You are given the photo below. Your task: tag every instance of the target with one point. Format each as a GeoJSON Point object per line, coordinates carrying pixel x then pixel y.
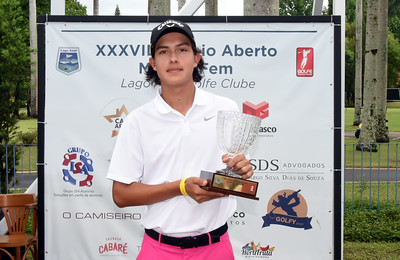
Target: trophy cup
{"type": "Point", "coordinates": [236, 132]}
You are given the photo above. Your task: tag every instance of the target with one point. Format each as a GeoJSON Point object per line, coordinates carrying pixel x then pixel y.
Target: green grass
{"type": "Point", "coordinates": [27, 125]}
{"type": "Point", "coordinates": [392, 114]}
{"type": "Point", "coordinates": [371, 195]}
{"type": "Point", "coordinates": [29, 158]}
{"type": "Point", "coordinates": [374, 250]}
{"type": "Point", "coordinates": [384, 158]}
{"type": "Point", "coordinates": [369, 234]}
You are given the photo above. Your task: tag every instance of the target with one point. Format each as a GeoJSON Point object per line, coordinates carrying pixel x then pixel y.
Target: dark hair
{"type": "Point", "coordinates": [198, 72]}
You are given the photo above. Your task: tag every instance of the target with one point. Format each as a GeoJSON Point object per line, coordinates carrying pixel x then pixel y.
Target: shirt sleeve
{"type": "Point", "coordinates": [126, 164]}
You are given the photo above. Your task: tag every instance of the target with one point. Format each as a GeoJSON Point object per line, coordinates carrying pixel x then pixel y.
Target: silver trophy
{"type": "Point", "coordinates": [236, 132]}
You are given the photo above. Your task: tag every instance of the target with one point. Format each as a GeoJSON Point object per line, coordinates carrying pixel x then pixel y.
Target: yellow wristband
{"type": "Point", "coordinates": [182, 186]}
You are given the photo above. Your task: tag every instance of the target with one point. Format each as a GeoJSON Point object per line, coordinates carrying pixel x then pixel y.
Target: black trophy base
{"type": "Point", "coordinates": [219, 182]}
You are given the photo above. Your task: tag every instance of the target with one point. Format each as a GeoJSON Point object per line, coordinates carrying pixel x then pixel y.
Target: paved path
{"type": "Point", "coordinates": [374, 175]}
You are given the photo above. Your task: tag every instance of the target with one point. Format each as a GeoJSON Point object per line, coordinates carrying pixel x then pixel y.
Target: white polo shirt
{"type": "Point", "coordinates": [157, 144]}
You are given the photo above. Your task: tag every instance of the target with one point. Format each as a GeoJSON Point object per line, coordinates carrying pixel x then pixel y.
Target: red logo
{"type": "Point", "coordinates": [305, 62]}
{"type": "Point", "coordinates": [261, 110]}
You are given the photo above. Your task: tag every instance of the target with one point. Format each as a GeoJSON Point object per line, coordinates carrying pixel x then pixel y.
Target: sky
{"type": "Point", "coordinates": [139, 7]}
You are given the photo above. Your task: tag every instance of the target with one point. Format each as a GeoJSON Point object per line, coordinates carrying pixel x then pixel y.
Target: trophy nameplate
{"type": "Point", "coordinates": [219, 182]}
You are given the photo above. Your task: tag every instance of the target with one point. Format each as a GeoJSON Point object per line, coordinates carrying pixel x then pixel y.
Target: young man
{"type": "Point", "coordinates": [161, 149]}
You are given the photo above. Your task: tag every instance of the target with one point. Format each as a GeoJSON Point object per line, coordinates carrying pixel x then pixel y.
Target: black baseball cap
{"type": "Point", "coordinates": [167, 27]}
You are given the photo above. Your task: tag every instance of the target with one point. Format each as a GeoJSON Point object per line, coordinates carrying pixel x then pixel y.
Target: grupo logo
{"type": "Point", "coordinates": [252, 249]}
{"type": "Point", "coordinates": [68, 60]}
{"type": "Point", "coordinates": [78, 167]}
{"type": "Point", "coordinates": [305, 62]}
{"type": "Point", "coordinates": [287, 208]}
{"type": "Point", "coordinates": [117, 119]}
{"type": "Point", "coordinates": [113, 246]}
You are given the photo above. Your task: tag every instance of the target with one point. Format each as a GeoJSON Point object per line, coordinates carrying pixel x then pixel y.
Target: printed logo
{"type": "Point", "coordinates": [305, 62]}
{"type": "Point", "coordinates": [117, 119]}
{"type": "Point", "coordinates": [238, 218]}
{"type": "Point", "coordinates": [170, 23]}
{"type": "Point", "coordinates": [78, 167]}
{"type": "Point", "coordinates": [261, 110]}
{"type": "Point", "coordinates": [251, 250]}
{"type": "Point", "coordinates": [68, 60]}
{"type": "Point", "coordinates": [209, 118]}
{"type": "Point", "coordinates": [113, 246]}
{"type": "Point", "coordinates": [287, 208]}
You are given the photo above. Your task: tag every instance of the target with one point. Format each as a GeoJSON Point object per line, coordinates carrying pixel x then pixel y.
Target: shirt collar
{"type": "Point", "coordinates": [200, 98]}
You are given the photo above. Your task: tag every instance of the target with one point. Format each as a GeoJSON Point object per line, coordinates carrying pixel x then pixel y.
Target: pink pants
{"type": "Point", "coordinates": [152, 249]}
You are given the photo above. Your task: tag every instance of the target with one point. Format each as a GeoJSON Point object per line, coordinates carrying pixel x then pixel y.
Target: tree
{"type": "Point", "coordinates": [358, 63]}
{"type": "Point", "coordinates": [159, 7]}
{"type": "Point", "coordinates": [382, 62]}
{"type": "Point", "coordinates": [14, 80]}
{"type": "Point", "coordinates": [181, 3]}
{"type": "Point", "coordinates": [117, 11]}
{"type": "Point", "coordinates": [393, 59]}
{"type": "Point", "coordinates": [394, 17]}
{"type": "Point", "coordinates": [32, 105]}
{"type": "Point", "coordinates": [296, 7]}
{"type": "Point", "coordinates": [349, 67]}
{"type": "Point", "coordinates": [373, 79]}
{"type": "Point", "coordinates": [261, 7]}
{"type": "Point", "coordinates": [73, 7]}
{"type": "Point", "coordinates": [95, 7]}
{"type": "Point", "coordinates": [42, 7]}
{"type": "Point", "coordinates": [211, 7]}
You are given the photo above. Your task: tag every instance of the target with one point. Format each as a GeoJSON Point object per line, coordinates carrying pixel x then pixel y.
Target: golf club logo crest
{"type": "Point", "coordinates": [305, 62]}
{"type": "Point", "coordinates": [287, 208]}
{"type": "Point", "coordinates": [78, 167]}
{"type": "Point", "coordinates": [68, 60]}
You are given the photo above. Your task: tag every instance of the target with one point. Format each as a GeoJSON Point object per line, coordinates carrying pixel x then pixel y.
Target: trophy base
{"type": "Point", "coordinates": [219, 182]}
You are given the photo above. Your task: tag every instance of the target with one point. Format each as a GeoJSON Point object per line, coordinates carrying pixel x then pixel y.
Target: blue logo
{"type": "Point", "coordinates": [78, 167]}
{"type": "Point", "coordinates": [68, 60]}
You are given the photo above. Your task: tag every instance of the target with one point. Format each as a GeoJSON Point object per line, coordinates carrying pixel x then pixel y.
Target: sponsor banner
{"type": "Point", "coordinates": [280, 72]}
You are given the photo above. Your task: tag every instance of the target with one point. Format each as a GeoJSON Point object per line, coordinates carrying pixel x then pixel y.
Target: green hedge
{"type": "Point", "coordinates": [371, 226]}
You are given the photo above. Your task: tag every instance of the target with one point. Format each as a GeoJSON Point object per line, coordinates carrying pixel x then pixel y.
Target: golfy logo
{"type": "Point", "coordinates": [68, 60]}
{"type": "Point", "coordinates": [78, 167]}
{"type": "Point", "coordinates": [251, 249]}
{"type": "Point", "coordinates": [287, 208]}
{"type": "Point", "coordinates": [305, 62]}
